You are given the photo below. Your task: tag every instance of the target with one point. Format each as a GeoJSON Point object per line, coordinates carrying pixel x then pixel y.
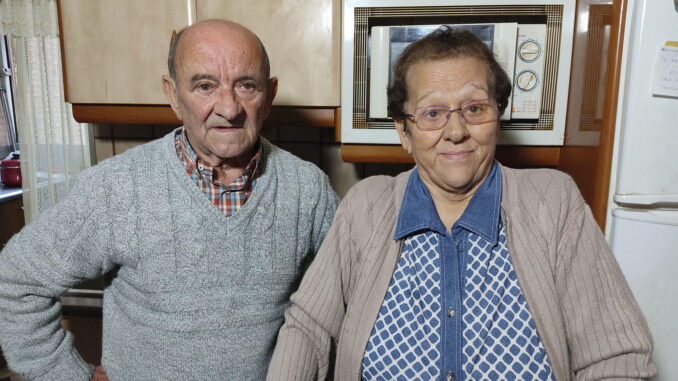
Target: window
{"type": "Point", "coordinates": [8, 135]}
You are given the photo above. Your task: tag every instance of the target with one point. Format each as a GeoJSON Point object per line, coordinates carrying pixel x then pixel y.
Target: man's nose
{"type": "Point", "coordinates": [227, 105]}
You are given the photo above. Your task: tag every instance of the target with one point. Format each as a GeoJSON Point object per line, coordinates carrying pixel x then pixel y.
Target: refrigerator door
{"type": "Point", "coordinates": [647, 154]}
{"type": "Point", "coordinates": [645, 244]}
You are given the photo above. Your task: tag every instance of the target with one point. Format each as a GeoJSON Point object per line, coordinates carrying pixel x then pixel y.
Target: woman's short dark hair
{"type": "Point", "coordinates": [446, 42]}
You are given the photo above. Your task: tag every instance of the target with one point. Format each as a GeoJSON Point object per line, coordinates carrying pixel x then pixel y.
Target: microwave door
{"type": "Point", "coordinates": [387, 42]}
{"type": "Point", "coordinates": [379, 71]}
{"type": "Point", "coordinates": [504, 49]}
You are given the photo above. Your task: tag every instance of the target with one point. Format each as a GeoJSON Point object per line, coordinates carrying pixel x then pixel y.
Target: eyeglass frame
{"type": "Point", "coordinates": [450, 111]}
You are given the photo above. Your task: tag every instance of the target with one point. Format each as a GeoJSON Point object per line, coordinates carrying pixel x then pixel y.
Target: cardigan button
{"type": "Point", "coordinates": [451, 312]}
{"type": "Point", "coordinates": [449, 376]}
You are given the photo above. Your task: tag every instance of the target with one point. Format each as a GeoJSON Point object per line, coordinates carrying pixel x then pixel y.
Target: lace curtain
{"type": "Point", "coordinates": [54, 147]}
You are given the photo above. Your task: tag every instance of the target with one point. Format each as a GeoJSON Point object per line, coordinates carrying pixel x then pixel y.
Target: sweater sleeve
{"type": "Point", "coordinates": [324, 211]}
{"type": "Point", "coordinates": [606, 332]}
{"type": "Point", "coordinates": [62, 247]}
{"type": "Point", "coordinates": [317, 309]}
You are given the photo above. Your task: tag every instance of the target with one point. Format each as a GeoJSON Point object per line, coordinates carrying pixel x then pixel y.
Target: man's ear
{"type": "Point", "coordinates": [271, 91]}
{"type": "Point", "coordinates": [169, 88]}
{"type": "Point", "coordinates": [403, 135]}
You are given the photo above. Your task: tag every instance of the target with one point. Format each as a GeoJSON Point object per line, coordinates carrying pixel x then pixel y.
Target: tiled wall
{"type": "Point", "coordinates": [315, 144]}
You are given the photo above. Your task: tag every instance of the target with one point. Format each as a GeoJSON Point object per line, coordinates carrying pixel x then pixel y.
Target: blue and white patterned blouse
{"type": "Point", "coordinates": [454, 309]}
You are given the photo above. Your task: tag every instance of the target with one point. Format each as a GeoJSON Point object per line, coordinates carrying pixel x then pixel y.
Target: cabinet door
{"type": "Point", "coordinates": [115, 52]}
{"type": "Point", "coordinates": [303, 41]}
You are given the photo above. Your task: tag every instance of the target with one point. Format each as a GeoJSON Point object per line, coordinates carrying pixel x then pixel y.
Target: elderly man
{"type": "Point", "coordinates": [208, 228]}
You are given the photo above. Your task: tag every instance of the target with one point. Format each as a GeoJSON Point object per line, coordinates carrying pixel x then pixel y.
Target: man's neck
{"type": "Point", "coordinates": [225, 175]}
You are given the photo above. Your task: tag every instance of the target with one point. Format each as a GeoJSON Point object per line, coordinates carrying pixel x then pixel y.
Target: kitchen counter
{"type": "Point", "coordinates": [11, 213]}
{"type": "Point", "coordinates": [9, 193]}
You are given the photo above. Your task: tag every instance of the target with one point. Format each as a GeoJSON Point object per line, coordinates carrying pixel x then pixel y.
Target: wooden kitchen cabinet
{"type": "Point", "coordinates": [114, 52]}
{"type": "Point", "coordinates": [303, 40]}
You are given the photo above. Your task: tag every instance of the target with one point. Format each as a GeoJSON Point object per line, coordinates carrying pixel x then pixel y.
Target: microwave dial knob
{"type": "Point", "coordinates": [527, 80]}
{"type": "Point", "coordinates": [529, 51]}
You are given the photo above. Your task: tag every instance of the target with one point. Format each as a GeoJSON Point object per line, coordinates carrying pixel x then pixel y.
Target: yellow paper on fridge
{"type": "Point", "coordinates": [665, 78]}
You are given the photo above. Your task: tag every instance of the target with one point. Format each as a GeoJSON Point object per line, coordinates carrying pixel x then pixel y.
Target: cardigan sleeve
{"type": "Point", "coordinates": [607, 334]}
{"type": "Point", "coordinates": [61, 248]}
{"type": "Point", "coordinates": [306, 339]}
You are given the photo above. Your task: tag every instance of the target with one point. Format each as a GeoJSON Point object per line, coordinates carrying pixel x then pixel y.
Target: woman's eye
{"type": "Point", "coordinates": [432, 114]}
{"type": "Point", "coordinates": [476, 108]}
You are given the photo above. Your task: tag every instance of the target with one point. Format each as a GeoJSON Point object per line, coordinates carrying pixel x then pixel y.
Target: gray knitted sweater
{"type": "Point", "coordinates": [197, 295]}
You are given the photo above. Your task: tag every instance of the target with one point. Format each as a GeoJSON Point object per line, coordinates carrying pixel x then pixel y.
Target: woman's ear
{"type": "Point", "coordinates": [404, 135]}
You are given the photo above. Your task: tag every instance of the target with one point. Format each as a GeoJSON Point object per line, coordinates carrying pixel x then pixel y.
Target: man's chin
{"type": "Point", "coordinates": [237, 152]}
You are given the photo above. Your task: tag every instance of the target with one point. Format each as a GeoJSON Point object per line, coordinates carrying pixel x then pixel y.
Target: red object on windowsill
{"type": "Point", "coordinates": [10, 170]}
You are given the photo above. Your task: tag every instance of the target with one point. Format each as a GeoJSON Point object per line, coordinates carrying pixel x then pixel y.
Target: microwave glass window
{"type": "Point", "coordinates": [402, 36]}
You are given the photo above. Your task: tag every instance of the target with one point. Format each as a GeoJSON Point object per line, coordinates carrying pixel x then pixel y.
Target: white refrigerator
{"type": "Point", "coordinates": [642, 221]}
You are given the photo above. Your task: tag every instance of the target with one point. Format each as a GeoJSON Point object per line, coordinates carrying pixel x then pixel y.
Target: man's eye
{"type": "Point", "coordinates": [204, 87]}
{"type": "Point", "coordinates": [248, 86]}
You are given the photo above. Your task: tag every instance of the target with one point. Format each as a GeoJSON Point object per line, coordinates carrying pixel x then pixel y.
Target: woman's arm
{"type": "Point", "coordinates": [312, 322]}
{"type": "Point", "coordinates": [606, 331]}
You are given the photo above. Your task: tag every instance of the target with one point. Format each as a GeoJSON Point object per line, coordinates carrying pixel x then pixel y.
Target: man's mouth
{"type": "Point", "coordinates": [226, 128]}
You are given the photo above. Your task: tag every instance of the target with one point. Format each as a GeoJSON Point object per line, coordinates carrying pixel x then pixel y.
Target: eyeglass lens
{"type": "Point", "coordinates": [434, 117]}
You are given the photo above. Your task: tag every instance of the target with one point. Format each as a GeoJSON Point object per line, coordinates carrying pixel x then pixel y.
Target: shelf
{"type": "Point", "coordinates": [516, 156]}
{"type": "Point", "coordinates": [162, 114]}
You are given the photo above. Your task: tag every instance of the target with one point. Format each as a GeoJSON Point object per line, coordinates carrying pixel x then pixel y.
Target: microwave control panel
{"type": "Point", "coordinates": [529, 71]}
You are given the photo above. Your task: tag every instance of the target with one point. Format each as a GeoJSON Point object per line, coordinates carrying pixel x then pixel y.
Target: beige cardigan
{"type": "Point", "coordinates": [585, 314]}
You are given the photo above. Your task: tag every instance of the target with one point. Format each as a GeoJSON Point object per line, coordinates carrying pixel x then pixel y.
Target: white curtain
{"type": "Point", "coordinates": [54, 147]}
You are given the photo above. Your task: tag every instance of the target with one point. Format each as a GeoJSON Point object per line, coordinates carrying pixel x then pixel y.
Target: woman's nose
{"type": "Point", "coordinates": [227, 105]}
{"type": "Point", "coordinates": [455, 129]}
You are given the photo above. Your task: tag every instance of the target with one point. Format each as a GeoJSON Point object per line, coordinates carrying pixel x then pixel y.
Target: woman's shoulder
{"type": "Point", "coordinates": [376, 192]}
{"type": "Point", "coordinates": [538, 178]}
{"type": "Point", "coordinates": [544, 184]}
{"type": "Point", "coordinates": [376, 187]}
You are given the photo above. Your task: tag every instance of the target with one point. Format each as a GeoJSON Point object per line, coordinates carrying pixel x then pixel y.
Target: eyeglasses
{"type": "Point", "coordinates": [477, 111]}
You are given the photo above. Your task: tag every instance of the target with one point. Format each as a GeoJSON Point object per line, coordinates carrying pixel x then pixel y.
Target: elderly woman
{"type": "Point", "coordinates": [461, 268]}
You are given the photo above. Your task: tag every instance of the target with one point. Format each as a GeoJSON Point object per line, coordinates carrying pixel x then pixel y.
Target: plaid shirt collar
{"type": "Point", "coordinates": [229, 197]}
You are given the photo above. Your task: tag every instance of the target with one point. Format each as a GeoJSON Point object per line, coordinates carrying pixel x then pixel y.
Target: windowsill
{"type": "Point", "coordinates": [9, 193]}
{"type": "Point", "coordinates": [82, 303]}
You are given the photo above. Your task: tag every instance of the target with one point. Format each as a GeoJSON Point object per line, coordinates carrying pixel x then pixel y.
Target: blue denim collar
{"type": "Point", "coordinates": [418, 213]}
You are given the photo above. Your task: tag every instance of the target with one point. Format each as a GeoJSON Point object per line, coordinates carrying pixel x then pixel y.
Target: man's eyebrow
{"type": "Point", "coordinates": [247, 78]}
{"type": "Point", "coordinates": [209, 77]}
{"type": "Point", "coordinates": [199, 77]}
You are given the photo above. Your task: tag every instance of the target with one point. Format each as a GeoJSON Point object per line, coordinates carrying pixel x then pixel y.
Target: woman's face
{"type": "Point", "coordinates": [456, 158]}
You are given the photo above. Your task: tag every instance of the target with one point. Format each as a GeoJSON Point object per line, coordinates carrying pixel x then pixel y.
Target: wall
{"type": "Point", "coordinates": [314, 144]}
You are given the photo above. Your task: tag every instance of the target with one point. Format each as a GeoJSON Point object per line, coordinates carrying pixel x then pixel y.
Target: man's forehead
{"type": "Point", "coordinates": [204, 53]}
{"type": "Point", "coordinates": [219, 68]}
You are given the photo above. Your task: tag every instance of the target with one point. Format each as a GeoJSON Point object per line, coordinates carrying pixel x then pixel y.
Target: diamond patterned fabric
{"type": "Point", "coordinates": [405, 337]}
{"type": "Point", "coordinates": [500, 340]}
{"type": "Point", "coordinates": [500, 336]}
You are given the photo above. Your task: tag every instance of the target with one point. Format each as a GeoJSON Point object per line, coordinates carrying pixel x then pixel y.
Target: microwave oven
{"type": "Point", "coordinates": [532, 40]}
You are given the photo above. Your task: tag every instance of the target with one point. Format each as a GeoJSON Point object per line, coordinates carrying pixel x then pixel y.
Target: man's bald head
{"type": "Point", "coordinates": [176, 45]}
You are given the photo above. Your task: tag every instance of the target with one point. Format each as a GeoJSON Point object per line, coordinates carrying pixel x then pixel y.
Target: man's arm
{"type": "Point", "coordinates": [64, 246]}
{"type": "Point", "coordinates": [324, 211]}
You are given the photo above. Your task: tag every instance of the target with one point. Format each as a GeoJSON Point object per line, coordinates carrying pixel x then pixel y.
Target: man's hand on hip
{"type": "Point", "coordinates": [99, 374]}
